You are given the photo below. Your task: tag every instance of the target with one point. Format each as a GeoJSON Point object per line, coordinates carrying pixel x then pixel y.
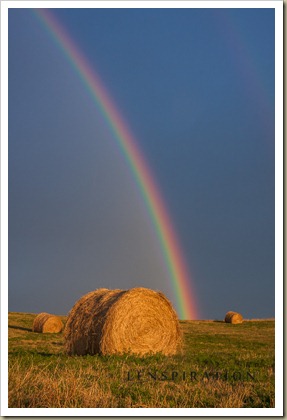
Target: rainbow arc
{"type": "Point", "coordinates": [152, 198]}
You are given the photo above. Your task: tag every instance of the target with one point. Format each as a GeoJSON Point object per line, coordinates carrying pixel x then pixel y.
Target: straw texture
{"type": "Point", "coordinates": [138, 321]}
{"type": "Point", "coordinates": [47, 323]}
{"type": "Point", "coordinates": [233, 318]}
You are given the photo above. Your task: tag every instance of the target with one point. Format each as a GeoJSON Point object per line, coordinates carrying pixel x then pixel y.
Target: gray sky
{"type": "Point", "coordinates": [197, 89]}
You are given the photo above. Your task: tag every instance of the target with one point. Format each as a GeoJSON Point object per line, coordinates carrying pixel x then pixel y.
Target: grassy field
{"type": "Point", "coordinates": [221, 365]}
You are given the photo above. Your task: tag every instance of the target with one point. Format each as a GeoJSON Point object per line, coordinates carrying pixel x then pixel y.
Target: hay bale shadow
{"type": "Point", "coordinates": [16, 327]}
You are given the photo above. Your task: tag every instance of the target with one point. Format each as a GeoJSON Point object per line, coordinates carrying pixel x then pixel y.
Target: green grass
{"type": "Point", "coordinates": [221, 365]}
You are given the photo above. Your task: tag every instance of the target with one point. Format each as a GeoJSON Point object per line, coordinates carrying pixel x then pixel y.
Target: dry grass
{"type": "Point", "coordinates": [61, 386]}
{"type": "Point", "coordinates": [138, 321]}
{"type": "Point", "coordinates": [47, 323]}
{"type": "Point", "coordinates": [42, 375]}
{"type": "Point", "coordinates": [233, 318]}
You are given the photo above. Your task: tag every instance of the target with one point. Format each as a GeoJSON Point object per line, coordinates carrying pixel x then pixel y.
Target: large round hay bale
{"type": "Point", "coordinates": [233, 318]}
{"type": "Point", "coordinates": [138, 321]}
{"type": "Point", "coordinates": [47, 323]}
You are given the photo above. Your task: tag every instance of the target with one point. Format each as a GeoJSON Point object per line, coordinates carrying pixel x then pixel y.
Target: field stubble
{"type": "Point", "coordinates": [221, 365]}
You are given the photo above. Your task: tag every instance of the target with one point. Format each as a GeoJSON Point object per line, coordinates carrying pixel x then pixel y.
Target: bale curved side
{"type": "Point", "coordinates": [39, 321]}
{"type": "Point", "coordinates": [233, 317]}
{"type": "Point", "coordinates": [84, 325]}
{"type": "Point", "coordinates": [136, 321]}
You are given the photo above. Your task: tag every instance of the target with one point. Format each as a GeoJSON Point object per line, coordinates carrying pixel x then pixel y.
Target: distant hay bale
{"type": "Point", "coordinates": [138, 321]}
{"type": "Point", "coordinates": [47, 323]}
{"type": "Point", "coordinates": [233, 318]}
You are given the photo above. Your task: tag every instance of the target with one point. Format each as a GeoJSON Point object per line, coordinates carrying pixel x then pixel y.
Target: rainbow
{"type": "Point", "coordinates": [170, 248]}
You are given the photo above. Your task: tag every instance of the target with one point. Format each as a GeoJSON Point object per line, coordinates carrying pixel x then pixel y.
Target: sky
{"type": "Point", "coordinates": [196, 89]}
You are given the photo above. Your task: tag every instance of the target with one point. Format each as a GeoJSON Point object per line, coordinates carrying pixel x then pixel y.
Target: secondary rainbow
{"type": "Point", "coordinates": [171, 251]}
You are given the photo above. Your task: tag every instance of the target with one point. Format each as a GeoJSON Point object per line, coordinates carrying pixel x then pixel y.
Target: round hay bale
{"type": "Point", "coordinates": [47, 323]}
{"type": "Point", "coordinates": [138, 321]}
{"type": "Point", "coordinates": [233, 318]}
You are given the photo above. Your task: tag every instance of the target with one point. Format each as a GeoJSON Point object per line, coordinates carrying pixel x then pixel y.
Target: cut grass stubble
{"type": "Point", "coordinates": [42, 375]}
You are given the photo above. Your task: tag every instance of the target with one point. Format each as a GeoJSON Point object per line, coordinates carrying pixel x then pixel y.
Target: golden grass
{"type": "Point", "coordinates": [63, 387]}
{"type": "Point", "coordinates": [42, 375]}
